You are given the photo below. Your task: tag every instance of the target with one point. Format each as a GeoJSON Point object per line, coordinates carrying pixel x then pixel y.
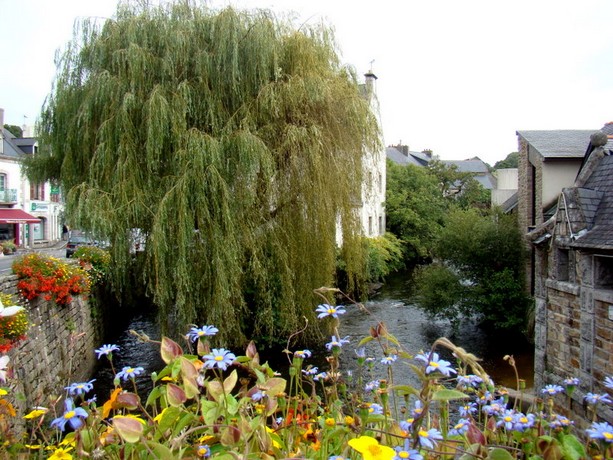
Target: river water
{"type": "Point", "coordinates": [392, 306]}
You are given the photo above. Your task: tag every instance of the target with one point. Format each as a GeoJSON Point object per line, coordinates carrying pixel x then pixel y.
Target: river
{"type": "Point", "coordinates": [392, 306]}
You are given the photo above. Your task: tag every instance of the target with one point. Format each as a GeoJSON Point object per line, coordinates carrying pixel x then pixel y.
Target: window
{"type": "Point", "coordinates": [37, 192]}
{"type": "Point", "coordinates": [563, 266]}
{"type": "Point", "coordinates": [369, 225]}
{"type": "Point", "coordinates": [2, 182]}
{"type": "Point", "coordinates": [603, 272]}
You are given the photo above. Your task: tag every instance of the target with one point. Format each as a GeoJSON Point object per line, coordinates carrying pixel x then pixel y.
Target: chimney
{"type": "Point", "coordinates": [370, 82]}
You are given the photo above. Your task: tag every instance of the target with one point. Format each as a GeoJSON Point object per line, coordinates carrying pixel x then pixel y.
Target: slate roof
{"type": "Point", "coordinates": [479, 169]}
{"type": "Point", "coordinates": [600, 236]}
{"type": "Point", "coordinates": [10, 147]}
{"type": "Point", "coordinates": [413, 158]}
{"type": "Point", "coordinates": [563, 143]}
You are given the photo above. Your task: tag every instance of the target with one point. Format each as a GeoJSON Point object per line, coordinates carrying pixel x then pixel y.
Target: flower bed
{"type": "Point", "coordinates": [54, 280]}
{"type": "Point", "coordinates": [208, 402]}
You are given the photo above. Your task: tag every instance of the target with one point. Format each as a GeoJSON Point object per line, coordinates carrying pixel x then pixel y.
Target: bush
{"type": "Point", "coordinates": [384, 256]}
{"type": "Point", "coordinates": [95, 261]}
{"type": "Point", "coordinates": [8, 247]}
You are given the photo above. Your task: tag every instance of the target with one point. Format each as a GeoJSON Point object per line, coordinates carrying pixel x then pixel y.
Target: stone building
{"type": "Point", "coordinates": [572, 274]}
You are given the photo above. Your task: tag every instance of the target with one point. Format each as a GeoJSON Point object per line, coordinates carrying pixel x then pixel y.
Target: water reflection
{"type": "Point", "coordinates": [132, 353]}
{"type": "Point", "coordinates": [416, 332]}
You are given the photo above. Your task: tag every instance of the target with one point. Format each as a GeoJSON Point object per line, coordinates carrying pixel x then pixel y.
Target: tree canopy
{"type": "Point", "coordinates": [479, 270]}
{"type": "Point", "coordinates": [233, 141]}
{"type": "Point", "coordinates": [415, 208]}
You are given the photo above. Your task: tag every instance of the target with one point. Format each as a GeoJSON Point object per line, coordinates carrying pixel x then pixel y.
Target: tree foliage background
{"type": "Point", "coordinates": [231, 140]}
{"type": "Point", "coordinates": [479, 271]}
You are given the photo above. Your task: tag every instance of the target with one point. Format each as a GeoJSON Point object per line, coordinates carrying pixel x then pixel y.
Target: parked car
{"type": "Point", "coordinates": [76, 240]}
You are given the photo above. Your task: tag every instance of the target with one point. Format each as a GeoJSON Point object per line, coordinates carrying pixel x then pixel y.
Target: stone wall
{"type": "Point", "coordinates": [573, 338]}
{"type": "Point", "coordinates": [58, 349]}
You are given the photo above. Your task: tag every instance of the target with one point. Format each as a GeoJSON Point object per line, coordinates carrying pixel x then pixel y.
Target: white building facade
{"type": "Point", "coordinates": [30, 214]}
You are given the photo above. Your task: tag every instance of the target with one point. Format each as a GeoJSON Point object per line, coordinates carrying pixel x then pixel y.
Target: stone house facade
{"type": "Point", "coordinates": [573, 281]}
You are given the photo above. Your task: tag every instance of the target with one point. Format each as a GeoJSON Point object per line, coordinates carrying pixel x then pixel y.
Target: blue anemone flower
{"type": "Point", "coordinates": [129, 372]}
{"type": "Point", "coordinates": [608, 382]}
{"type": "Point", "coordinates": [602, 431]}
{"type": "Point", "coordinates": [302, 354]}
{"type": "Point", "coordinates": [80, 388]}
{"type": "Point", "coordinates": [106, 350]}
{"type": "Point", "coordinates": [435, 364]}
{"type": "Point", "coordinates": [389, 360]}
{"type": "Point", "coordinates": [428, 438]}
{"type": "Point", "coordinates": [72, 415]}
{"type": "Point", "coordinates": [220, 358]}
{"type": "Point", "coordinates": [551, 390]}
{"type": "Point", "coordinates": [205, 331]}
{"type": "Point", "coordinates": [328, 310]}
{"type": "Point", "coordinates": [375, 409]}
{"type": "Point", "coordinates": [203, 451]}
{"type": "Point", "coordinates": [460, 428]}
{"type": "Point", "coordinates": [336, 342]}
{"type": "Point", "coordinates": [593, 398]}
{"type": "Point", "coordinates": [406, 453]}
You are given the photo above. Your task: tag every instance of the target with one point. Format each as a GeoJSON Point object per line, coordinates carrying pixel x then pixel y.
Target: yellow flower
{"type": "Point", "coordinates": [3, 392]}
{"type": "Point", "coordinates": [330, 422]}
{"type": "Point", "coordinates": [349, 420]}
{"type": "Point", "coordinates": [371, 449]}
{"type": "Point", "coordinates": [33, 446]}
{"type": "Point", "coordinates": [36, 413]}
{"type": "Point", "coordinates": [61, 454]}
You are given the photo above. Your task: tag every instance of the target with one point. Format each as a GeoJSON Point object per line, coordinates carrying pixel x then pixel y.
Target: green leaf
{"type": "Point", "coordinates": [230, 382]}
{"type": "Point", "coordinates": [405, 390]}
{"type": "Point", "coordinates": [175, 395]}
{"type": "Point", "coordinates": [161, 451]}
{"type": "Point", "coordinates": [185, 419]}
{"type": "Point", "coordinates": [128, 428]}
{"type": "Point", "coordinates": [499, 454]}
{"type": "Point", "coordinates": [154, 394]}
{"type": "Point", "coordinates": [231, 404]}
{"type": "Point", "coordinates": [573, 449]}
{"type": "Point", "coordinates": [448, 395]}
{"type": "Point", "coordinates": [365, 340]}
{"type": "Point", "coordinates": [170, 350]}
{"type": "Point", "coordinates": [274, 386]}
{"type": "Point", "coordinates": [169, 417]}
{"type": "Point", "coordinates": [210, 411]}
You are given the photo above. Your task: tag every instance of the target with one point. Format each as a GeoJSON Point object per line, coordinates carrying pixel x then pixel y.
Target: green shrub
{"type": "Point", "coordinates": [94, 260]}
{"type": "Point", "coordinates": [384, 255]}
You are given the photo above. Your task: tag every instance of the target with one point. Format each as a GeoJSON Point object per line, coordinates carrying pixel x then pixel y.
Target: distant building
{"type": "Point", "coordinates": [372, 205]}
{"type": "Point", "coordinates": [478, 169]}
{"type": "Point", "coordinates": [29, 213]}
{"type": "Point", "coordinates": [505, 193]}
{"type": "Point", "coordinates": [401, 155]}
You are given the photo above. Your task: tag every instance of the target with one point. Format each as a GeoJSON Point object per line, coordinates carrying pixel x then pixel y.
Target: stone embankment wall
{"type": "Point", "coordinates": [58, 349]}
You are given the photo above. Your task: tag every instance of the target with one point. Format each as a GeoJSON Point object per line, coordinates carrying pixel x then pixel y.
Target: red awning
{"type": "Point", "coordinates": [16, 216]}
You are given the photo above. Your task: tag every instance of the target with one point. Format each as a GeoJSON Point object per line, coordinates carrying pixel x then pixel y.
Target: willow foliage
{"type": "Point", "coordinates": [232, 140]}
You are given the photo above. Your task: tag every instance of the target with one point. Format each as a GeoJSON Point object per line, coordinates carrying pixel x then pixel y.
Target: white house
{"type": "Point", "coordinates": [30, 214]}
{"type": "Point", "coordinates": [372, 210]}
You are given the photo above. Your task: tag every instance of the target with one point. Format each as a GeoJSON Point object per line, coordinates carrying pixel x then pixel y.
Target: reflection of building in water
{"type": "Point", "coordinates": [29, 213]}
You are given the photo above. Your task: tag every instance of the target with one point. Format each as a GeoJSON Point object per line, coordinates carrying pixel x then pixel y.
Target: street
{"type": "Point", "coordinates": [7, 261]}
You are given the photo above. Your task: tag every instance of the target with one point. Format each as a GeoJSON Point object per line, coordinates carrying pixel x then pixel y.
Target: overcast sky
{"type": "Point", "coordinates": [457, 77]}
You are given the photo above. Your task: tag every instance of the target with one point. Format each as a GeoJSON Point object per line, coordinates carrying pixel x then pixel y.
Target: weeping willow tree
{"type": "Point", "coordinates": [231, 140]}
